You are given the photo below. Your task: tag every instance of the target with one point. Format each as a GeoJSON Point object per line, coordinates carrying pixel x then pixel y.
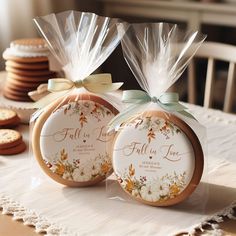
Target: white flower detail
{"type": "Point", "coordinates": [82, 174]}
{"type": "Point", "coordinates": [150, 193]}
{"type": "Point", "coordinates": [53, 168]}
{"type": "Point", "coordinates": [164, 190]}
{"type": "Point", "coordinates": [135, 192]}
{"type": "Point", "coordinates": [66, 175]}
{"type": "Point", "coordinates": [95, 168]}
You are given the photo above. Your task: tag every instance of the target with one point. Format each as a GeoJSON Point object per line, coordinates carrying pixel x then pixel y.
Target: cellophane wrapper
{"type": "Point", "coordinates": [80, 42]}
{"type": "Point", "coordinates": [157, 54]}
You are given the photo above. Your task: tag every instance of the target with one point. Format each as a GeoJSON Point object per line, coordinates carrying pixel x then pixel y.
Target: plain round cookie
{"type": "Point", "coordinates": [8, 117]}
{"type": "Point", "coordinates": [11, 96]}
{"type": "Point", "coordinates": [9, 138]}
{"type": "Point", "coordinates": [13, 150]}
{"type": "Point", "coordinates": [28, 66]}
{"type": "Point", "coordinates": [30, 78]}
{"type": "Point", "coordinates": [22, 84]}
{"type": "Point", "coordinates": [38, 129]}
{"type": "Point", "coordinates": [16, 88]}
{"type": "Point", "coordinates": [18, 92]}
{"type": "Point", "coordinates": [25, 59]}
{"type": "Point", "coordinates": [29, 73]}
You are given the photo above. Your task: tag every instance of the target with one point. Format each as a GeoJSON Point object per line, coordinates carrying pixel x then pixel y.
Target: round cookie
{"type": "Point", "coordinates": [15, 92]}
{"type": "Point", "coordinates": [30, 78]}
{"type": "Point", "coordinates": [29, 73]}
{"type": "Point", "coordinates": [69, 140]}
{"type": "Point", "coordinates": [9, 138]}
{"type": "Point", "coordinates": [13, 150]}
{"type": "Point", "coordinates": [28, 66]}
{"type": "Point", "coordinates": [27, 51]}
{"type": "Point", "coordinates": [8, 117]}
{"type": "Point", "coordinates": [25, 59]}
{"type": "Point", "coordinates": [21, 84]}
{"type": "Point", "coordinates": [17, 98]}
{"type": "Point", "coordinates": [157, 158]}
{"type": "Point", "coordinates": [29, 44]}
{"type": "Point", "coordinates": [13, 87]}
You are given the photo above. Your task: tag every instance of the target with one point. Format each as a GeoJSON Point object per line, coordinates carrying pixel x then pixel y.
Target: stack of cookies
{"type": "Point", "coordinates": [11, 141]}
{"type": "Point", "coordinates": [27, 66]}
{"type": "Point", "coordinates": [8, 118]}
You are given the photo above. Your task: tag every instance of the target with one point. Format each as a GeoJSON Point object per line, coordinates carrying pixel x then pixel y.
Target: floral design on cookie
{"type": "Point", "coordinates": [154, 125]}
{"type": "Point", "coordinates": [75, 171]}
{"type": "Point", "coordinates": [158, 189]}
{"type": "Point", "coordinates": [157, 158]}
{"type": "Point", "coordinates": [76, 132]}
{"type": "Point", "coordinates": [85, 109]}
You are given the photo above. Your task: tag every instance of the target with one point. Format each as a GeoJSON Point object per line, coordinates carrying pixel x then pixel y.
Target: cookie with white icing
{"type": "Point", "coordinates": [27, 51]}
{"type": "Point", "coordinates": [70, 140]}
{"type": "Point", "coordinates": [157, 158]}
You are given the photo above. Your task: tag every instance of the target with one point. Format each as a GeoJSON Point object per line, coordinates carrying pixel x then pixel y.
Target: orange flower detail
{"type": "Point", "coordinates": [129, 185]}
{"type": "Point", "coordinates": [174, 189]}
{"type": "Point", "coordinates": [60, 170]}
{"type": "Point", "coordinates": [105, 167]}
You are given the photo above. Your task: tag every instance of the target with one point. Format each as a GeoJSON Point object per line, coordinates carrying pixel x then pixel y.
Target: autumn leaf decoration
{"type": "Point", "coordinates": [67, 109]}
{"type": "Point", "coordinates": [138, 123]}
{"type": "Point", "coordinates": [150, 135]}
{"type": "Point", "coordinates": [64, 155]}
{"type": "Point", "coordinates": [82, 119]}
{"type": "Point", "coordinates": [96, 108]}
{"type": "Point", "coordinates": [131, 170]}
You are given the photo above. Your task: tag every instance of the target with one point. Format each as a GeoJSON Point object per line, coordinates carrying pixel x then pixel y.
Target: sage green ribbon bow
{"type": "Point", "coordinates": [167, 101]}
{"type": "Point", "coordinates": [96, 83]}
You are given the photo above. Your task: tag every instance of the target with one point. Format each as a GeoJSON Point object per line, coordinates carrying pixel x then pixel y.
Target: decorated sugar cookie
{"type": "Point", "coordinates": [157, 158]}
{"type": "Point", "coordinates": [69, 140]}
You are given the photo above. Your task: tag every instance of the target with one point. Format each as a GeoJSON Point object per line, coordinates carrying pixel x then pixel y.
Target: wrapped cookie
{"type": "Point", "coordinates": [157, 154]}
{"type": "Point", "coordinates": [69, 135]}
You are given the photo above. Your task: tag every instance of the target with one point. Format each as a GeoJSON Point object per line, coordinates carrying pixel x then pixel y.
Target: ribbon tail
{"type": "Point", "coordinates": [102, 88]}
{"type": "Point", "coordinates": [176, 107]}
{"type": "Point", "coordinates": [48, 99]}
{"type": "Point", "coordinates": [172, 107]}
{"type": "Point", "coordinates": [187, 114]}
{"type": "Point", "coordinates": [123, 116]}
{"type": "Point", "coordinates": [59, 84]}
{"type": "Point", "coordinates": [134, 96]}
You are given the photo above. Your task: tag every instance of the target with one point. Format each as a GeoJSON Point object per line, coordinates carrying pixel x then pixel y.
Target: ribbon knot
{"type": "Point", "coordinates": [154, 99]}
{"type": "Point", "coordinates": [167, 101]}
{"type": "Point", "coordinates": [78, 83]}
{"type": "Point", "coordinates": [96, 83]}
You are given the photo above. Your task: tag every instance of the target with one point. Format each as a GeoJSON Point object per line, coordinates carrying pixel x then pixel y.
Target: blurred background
{"type": "Point", "coordinates": [217, 19]}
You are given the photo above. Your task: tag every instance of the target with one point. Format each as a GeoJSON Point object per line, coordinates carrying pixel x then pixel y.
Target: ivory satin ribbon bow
{"type": "Point", "coordinates": [167, 101]}
{"type": "Point", "coordinates": [96, 83]}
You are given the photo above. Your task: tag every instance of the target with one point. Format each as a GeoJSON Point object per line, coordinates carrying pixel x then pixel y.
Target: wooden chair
{"type": "Point", "coordinates": [213, 51]}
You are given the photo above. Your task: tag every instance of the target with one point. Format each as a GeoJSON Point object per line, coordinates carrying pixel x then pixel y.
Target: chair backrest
{"type": "Point", "coordinates": [213, 51]}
